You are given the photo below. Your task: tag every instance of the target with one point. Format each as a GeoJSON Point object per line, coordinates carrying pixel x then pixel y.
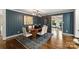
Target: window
{"type": "Point", "coordinates": [28, 20]}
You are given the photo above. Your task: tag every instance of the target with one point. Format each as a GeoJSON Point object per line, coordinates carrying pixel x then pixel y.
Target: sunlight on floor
{"type": "Point", "coordinates": [57, 37]}
{"type": "Point", "coordinates": [76, 41]}
{"type": "Point", "coordinates": [57, 33]}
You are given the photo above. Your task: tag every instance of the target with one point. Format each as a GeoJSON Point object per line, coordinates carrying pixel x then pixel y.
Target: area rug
{"type": "Point", "coordinates": [36, 42]}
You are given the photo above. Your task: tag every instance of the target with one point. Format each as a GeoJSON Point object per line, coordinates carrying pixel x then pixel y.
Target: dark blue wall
{"type": "Point", "coordinates": [68, 25]}
{"type": "Point", "coordinates": [38, 20]}
{"type": "Point", "coordinates": [14, 22]}
{"type": "Point", "coordinates": [35, 20]}
{"type": "Point", "coordinates": [47, 21]}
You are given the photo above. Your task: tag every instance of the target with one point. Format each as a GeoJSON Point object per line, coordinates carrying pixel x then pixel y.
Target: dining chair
{"type": "Point", "coordinates": [44, 30]}
{"type": "Point", "coordinates": [25, 33]}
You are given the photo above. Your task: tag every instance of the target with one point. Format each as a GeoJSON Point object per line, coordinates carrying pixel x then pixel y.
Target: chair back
{"type": "Point", "coordinates": [46, 28]}
{"type": "Point", "coordinates": [43, 30]}
{"type": "Point", "coordinates": [24, 31]}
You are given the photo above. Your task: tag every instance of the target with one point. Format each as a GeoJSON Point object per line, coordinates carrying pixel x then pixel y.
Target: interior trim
{"type": "Point", "coordinates": [68, 34]}
{"type": "Point", "coordinates": [13, 36]}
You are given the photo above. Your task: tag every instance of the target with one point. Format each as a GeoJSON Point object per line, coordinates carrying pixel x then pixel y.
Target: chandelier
{"type": "Point", "coordinates": [36, 13]}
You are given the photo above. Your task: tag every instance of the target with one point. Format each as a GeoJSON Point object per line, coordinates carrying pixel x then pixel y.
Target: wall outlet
{"type": "Point", "coordinates": [18, 31]}
{"type": "Point", "coordinates": [66, 30]}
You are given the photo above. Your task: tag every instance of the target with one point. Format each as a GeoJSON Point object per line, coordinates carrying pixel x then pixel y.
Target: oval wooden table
{"type": "Point", "coordinates": [34, 32]}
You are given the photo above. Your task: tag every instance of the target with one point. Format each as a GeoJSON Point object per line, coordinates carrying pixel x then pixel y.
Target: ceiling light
{"type": "Point", "coordinates": [36, 13]}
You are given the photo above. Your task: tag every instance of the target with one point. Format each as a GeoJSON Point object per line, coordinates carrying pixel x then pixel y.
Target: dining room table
{"type": "Point", "coordinates": [34, 32]}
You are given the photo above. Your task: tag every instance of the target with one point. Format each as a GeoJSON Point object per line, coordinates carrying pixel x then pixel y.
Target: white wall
{"type": "Point", "coordinates": [77, 23]}
{"type": "Point", "coordinates": [1, 17]}
{"type": "Point", "coordinates": [3, 23]}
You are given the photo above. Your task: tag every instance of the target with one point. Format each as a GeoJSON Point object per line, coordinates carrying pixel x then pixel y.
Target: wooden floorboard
{"type": "Point", "coordinates": [13, 44]}
{"type": "Point", "coordinates": [53, 43]}
{"type": "Point", "coordinates": [57, 41]}
{"type": "Point", "coordinates": [2, 43]}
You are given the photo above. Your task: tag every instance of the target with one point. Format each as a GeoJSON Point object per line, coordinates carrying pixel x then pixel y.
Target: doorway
{"type": "Point", "coordinates": [57, 26]}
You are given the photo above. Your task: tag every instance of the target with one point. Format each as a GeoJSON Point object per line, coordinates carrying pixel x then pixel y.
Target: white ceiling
{"type": "Point", "coordinates": [44, 12]}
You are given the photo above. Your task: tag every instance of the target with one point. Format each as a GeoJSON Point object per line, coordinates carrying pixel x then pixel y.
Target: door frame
{"type": "Point", "coordinates": [62, 20]}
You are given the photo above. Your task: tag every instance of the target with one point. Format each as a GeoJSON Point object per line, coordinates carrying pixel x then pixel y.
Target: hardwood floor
{"type": "Point", "coordinates": [13, 44]}
{"type": "Point", "coordinates": [53, 43]}
{"type": "Point", "coordinates": [2, 43]}
{"type": "Point", "coordinates": [57, 41]}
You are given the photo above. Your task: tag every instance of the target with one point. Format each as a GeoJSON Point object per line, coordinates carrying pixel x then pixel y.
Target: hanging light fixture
{"type": "Point", "coordinates": [36, 13]}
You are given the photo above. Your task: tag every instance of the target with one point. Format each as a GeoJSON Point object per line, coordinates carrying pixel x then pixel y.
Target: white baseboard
{"type": "Point", "coordinates": [76, 36]}
{"type": "Point", "coordinates": [68, 34]}
{"type": "Point", "coordinates": [13, 36]}
{"type": "Point", "coordinates": [4, 38]}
